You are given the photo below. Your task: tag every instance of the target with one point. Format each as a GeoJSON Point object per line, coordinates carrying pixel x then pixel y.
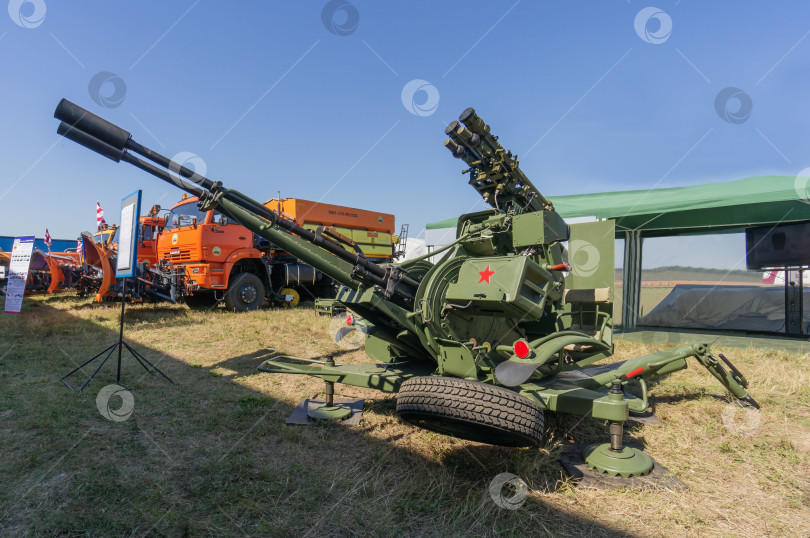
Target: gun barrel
{"type": "Point", "coordinates": [84, 120]}
{"type": "Point", "coordinates": [163, 174]}
{"type": "Point", "coordinates": [89, 141]}
{"type": "Point", "coordinates": [350, 268]}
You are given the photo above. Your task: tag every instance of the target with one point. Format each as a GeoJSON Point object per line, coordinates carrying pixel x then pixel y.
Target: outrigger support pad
{"type": "Point", "coordinates": [329, 411]}
{"type": "Point", "coordinates": [614, 458]}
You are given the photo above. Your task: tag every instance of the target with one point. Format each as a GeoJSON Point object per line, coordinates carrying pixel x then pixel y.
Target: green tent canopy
{"type": "Point", "coordinates": [446, 223]}
{"type": "Point", "coordinates": [719, 207]}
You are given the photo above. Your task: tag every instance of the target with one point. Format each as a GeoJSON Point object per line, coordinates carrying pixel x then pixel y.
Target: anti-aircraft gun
{"type": "Point", "coordinates": [481, 343]}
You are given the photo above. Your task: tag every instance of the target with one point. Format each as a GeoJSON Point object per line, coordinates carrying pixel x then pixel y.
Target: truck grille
{"type": "Point", "coordinates": [179, 255]}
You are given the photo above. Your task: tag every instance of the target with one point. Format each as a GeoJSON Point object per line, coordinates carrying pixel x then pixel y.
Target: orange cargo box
{"type": "Point", "coordinates": [305, 212]}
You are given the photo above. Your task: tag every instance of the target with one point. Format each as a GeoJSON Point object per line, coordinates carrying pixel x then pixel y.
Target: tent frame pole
{"type": "Point", "coordinates": [631, 278]}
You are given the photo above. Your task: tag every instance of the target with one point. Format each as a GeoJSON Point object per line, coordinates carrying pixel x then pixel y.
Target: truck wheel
{"type": "Point", "coordinates": [200, 299]}
{"type": "Point", "coordinates": [246, 292]}
{"type": "Point", "coordinates": [471, 410]}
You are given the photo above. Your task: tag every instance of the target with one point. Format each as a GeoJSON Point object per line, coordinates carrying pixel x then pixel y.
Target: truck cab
{"type": "Point", "coordinates": [148, 233]}
{"type": "Point", "coordinates": [211, 253]}
{"type": "Point", "coordinates": [107, 236]}
{"type": "Point", "coordinates": [211, 259]}
{"type": "Point", "coordinates": [149, 229]}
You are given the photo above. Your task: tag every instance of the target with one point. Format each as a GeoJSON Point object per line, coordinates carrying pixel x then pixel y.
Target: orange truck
{"type": "Point", "coordinates": [148, 231]}
{"type": "Point", "coordinates": [208, 258]}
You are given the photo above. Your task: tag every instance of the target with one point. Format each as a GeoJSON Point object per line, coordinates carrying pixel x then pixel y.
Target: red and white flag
{"type": "Point", "coordinates": [99, 216]}
{"type": "Point", "coordinates": [48, 241]}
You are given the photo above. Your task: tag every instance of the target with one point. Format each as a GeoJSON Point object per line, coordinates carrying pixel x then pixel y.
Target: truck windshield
{"type": "Point", "coordinates": [107, 237]}
{"type": "Point", "coordinates": [183, 216]}
{"type": "Point", "coordinates": [221, 219]}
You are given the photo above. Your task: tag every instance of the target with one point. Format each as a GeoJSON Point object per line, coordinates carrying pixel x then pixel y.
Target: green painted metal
{"type": "Point", "coordinates": [505, 305]}
{"type": "Point", "coordinates": [385, 377]}
{"type": "Point", "coordinates": [537, 228]}
{"type": "Point", "coordinates": [627, 462]}
{"type": "Point", "coordinates": [328, 307]}
{"type": "Point", "coordinates": [511, 286]}
{"type": "Point", "coordinates": [330, 413]}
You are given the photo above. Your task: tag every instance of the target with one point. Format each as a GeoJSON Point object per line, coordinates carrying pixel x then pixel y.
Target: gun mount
{"type": "Point", "coordinates": [484, 341]}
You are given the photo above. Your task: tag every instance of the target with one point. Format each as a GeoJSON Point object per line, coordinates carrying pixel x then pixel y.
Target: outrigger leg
{"type": "Point", "coordinates": [616, 459]}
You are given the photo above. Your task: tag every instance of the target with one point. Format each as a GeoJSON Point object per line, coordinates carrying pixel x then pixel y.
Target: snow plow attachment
{"type": "Point", "coordinates": [54, 271]}
{"type": "Point", "coordinates": [99, 260]}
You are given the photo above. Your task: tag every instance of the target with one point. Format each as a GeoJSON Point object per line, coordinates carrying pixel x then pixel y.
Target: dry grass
{"type": "Point", "coordinates": [212, 455]}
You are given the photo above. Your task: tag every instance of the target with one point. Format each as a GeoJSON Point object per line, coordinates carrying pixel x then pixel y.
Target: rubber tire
{"type": "Point", "coordinates": [201, 299]}
{"type": "Point", "coordinates": [233, 300]}
{"type": "Point", "coordinates": [471, 410]}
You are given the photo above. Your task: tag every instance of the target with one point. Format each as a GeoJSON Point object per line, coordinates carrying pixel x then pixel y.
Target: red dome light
{"type": "Point", "coordinates": [349, 319]}
{"type": "Point", "coordinates": [522, 349]}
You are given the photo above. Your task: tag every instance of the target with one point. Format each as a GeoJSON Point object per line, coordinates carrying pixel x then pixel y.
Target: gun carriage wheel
{"type": "Point", "coordinates": [471, 410]}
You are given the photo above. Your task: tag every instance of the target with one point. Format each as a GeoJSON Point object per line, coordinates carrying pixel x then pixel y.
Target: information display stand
{"type": "Point", "coordinates": [125, 268]}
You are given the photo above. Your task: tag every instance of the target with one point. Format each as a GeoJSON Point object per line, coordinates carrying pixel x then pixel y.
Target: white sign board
{"type": "Point", "coordinates": [128, 235]}
{"type": "Point", "coordinates": [18, 273]}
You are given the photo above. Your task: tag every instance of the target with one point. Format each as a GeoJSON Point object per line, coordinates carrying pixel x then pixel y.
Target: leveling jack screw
{"type": "Point", "coordinates": [614, 458]}
{"type": "Point", "coordinates": [329, 411]}
{"type": "Point", "coordinates": [616, 433]}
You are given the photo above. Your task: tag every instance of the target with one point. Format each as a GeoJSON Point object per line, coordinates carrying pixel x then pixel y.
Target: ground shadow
{"type": "Point", "coordinates": [209, 455]}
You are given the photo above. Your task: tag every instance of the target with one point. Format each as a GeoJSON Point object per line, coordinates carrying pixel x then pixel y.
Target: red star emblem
{"type": "Point", "coordinates": [485, 274]}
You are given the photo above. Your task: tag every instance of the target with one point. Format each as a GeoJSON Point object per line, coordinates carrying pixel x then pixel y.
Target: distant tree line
{"type": "Point", "coordinates": [703, 270]}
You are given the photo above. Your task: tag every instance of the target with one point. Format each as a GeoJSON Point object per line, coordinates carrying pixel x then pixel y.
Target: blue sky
{"type": "Point", "coordinates": [270, 99]}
